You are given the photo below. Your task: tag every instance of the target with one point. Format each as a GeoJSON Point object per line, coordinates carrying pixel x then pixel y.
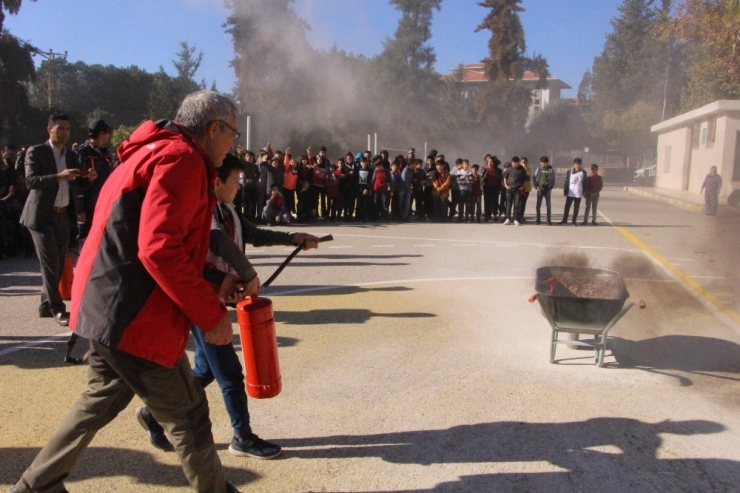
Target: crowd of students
{"type": "Point", "coordinates": [279, 188]}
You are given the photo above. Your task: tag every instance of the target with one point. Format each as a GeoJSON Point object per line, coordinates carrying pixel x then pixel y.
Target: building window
{"type": "Point", "coordinates": [537, 99]}
{"type": "Point", "coordinates": [711, 131]}
{"type": "Point", "coordinates": [703, 135]}
{"type": "Point", "coordinates": [695, 129]}
{"type": "Point", "coordinates": [667, 160]}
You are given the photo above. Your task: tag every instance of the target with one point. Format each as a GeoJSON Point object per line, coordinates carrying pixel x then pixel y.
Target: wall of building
{"type": "Point", "coordinates": [690, 160]}
{"type": "Point", "coordinates": [674, 152]}
{"type": "Point", "coordinates": [732, 127]}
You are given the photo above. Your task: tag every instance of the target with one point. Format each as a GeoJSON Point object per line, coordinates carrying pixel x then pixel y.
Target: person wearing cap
{"type": "Point", "coordinates": [93, 155]}
{"type": "Point", "coordinates": [52, 210]}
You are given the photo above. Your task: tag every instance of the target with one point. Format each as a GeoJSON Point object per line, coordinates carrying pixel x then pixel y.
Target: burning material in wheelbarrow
{"type": "Point", "coordinates": [579, 300]}
{"type": "Point", "coordinates": [259, 340]}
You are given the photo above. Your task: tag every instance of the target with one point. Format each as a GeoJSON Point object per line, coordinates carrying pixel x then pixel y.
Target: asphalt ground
{"type": "Point", "coordinates": [411, 361]}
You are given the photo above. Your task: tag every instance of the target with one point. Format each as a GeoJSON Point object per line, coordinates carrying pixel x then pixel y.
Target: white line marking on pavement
{"type": "Point", "coordinates": [423, 245]}
{"type": "Point", "coordinates": [463, 245]}
{"type": "Point", "coordinates": [494, 243]}
{"type": "Point", "coordinates": [30, 344]}
{"type": "Point", "coordinates": [342, 246]}
{"type": "Point", "coordinates": [705, 277]}
{"type": "Point", "coordinates": [382, 246]}
{"type": "Point", "coordinates": [681, 259]}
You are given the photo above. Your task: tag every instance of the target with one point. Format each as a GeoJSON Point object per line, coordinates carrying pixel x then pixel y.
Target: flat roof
{"type": "Point", "coordinates": [716, 108]}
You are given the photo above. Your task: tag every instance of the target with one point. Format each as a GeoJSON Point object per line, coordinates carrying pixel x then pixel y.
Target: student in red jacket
{"type": "Point", "coordinates": [140, 285]}
{"type": "Point", "coordinates": [381, 187]}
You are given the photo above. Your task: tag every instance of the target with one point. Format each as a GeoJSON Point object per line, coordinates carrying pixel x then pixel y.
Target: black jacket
{"type": "Point", "coordinates": [41, 180]}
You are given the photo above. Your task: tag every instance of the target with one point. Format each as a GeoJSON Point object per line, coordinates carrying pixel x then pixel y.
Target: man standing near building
{"type": "Point", "coordinates": [710, 188]}
{"type": "Point", "coordinates": [52, 210]}
{"type": "Point", "coordinates": [138, 288]}
{"type": "Point", "coordinates": [93, 155]}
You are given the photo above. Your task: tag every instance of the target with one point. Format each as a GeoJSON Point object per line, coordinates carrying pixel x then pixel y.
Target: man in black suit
{"type": "Point", "coordinates": [51, 210]}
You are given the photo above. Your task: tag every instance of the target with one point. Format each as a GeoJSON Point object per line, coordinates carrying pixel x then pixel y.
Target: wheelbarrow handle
{"type": "Point", "coordinates": [639, 304]}
{"type": "Point", "coordinates": [533, 298]}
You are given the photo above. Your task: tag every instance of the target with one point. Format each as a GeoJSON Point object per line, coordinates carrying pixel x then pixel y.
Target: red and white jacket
{"type": "Point", "coordinates": [139, 280]}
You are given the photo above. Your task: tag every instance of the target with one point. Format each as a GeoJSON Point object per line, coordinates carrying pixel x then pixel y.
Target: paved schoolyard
{"type": "Point", "coordinates": [411, 361]}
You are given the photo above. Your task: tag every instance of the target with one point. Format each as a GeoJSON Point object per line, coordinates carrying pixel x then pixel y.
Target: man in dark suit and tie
{"type": "Point", "coordinates": [51, 210]}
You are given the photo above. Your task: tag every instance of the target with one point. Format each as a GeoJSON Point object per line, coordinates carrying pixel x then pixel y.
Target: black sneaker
{"type": "Point", "coordinates": [45, 311]}
{"type": "Point", "coordinates": [156, 432]}
{"type": "Point", "coordinates": [254, 447]}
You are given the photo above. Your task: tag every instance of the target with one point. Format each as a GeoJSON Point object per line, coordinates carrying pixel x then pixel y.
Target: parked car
{"type": "Point", "coordinates": [645, 176]}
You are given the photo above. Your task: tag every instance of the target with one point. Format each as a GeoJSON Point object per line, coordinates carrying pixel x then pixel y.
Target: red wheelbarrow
{"type": "Point", "coordinates": [579, 300]}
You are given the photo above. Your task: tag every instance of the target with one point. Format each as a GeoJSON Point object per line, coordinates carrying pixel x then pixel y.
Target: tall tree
{"type": "Point", "coordinates": [636, 79]}
{"type": "Point", "coordinates": [16, 71]}
{"type": "Point", "coordinates": [503, 101]}
{"type": "Point", "coordinates": [405, 81]}
{"type": "Point", "coordinates": [710, 31]}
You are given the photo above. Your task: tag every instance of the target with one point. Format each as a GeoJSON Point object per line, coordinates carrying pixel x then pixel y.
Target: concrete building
{"type": "Point", "coordinates": [689, 144]}
{"type": "Point", "coordinates": [474, 75]}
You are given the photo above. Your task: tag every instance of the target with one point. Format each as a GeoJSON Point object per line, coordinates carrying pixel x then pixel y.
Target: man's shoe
{"type": "Point", "coordinates": [584, 223]}
{"type": "Point", "coordinates": [61, 318]}
{"type": "Point", "coordinates": [156, 432]}
{"type": "Point", "coordinates": [517, 223]}
{"type": "Point", "coordinates": [45, 311]}
{"type": "Point", "coordinates": [254, 447]}
{"type": "Point", "coordinates": [563, 222]}
{"type": "Point", "coordinates": [538, 221]}
{"type": "Point", "coordinates": [549, 223]}
{"type": "Point", "coordinates": [507, 222]}
{"type": "Point", "coordinates": [73, 361]}
{"type": "Point", "coordinates": [593, 223]}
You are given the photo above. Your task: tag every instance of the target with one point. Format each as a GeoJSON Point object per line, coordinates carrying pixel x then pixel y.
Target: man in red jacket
{"type": "Point", "coordinates": [140, 284]}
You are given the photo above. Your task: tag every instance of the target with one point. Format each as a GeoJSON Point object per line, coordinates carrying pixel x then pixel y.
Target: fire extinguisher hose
{"type": "Point", "coordinates": [291, 257]}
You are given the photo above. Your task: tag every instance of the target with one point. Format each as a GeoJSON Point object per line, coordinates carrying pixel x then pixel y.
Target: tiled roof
{"type": "Point", "coordinates": [475, 72]}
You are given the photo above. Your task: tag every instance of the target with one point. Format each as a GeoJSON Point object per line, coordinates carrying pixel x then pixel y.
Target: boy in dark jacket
{"type": "Point", "coordinates": [544, 182]}
{"type": "Point", "coordinates": [594, 185]}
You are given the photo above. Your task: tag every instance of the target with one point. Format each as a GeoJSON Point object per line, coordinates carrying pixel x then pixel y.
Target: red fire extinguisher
{"type": "Point", "coordinates": [259, 346]}
{"type": "Point", "coordinates": [65, 282]}
{"type": "Point", "coordinates": [259, 340]}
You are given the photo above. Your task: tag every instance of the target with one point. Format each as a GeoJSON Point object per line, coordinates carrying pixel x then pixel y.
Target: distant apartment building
{"type": "Point", "coordinates": [473, 76]}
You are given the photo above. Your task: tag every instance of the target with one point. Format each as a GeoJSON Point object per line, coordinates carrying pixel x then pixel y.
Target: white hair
{"type": "Point", "coordinates": [201, 108]}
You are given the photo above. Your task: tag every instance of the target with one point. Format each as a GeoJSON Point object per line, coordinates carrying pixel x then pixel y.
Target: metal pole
{"type": "Point", "coordinates": [368, 141]}
{"type": "Point", "coordinates": [249, 131]}
{"type": "Point", "coordinates": [375, 149]}
{"type": "Point", "coordinates": [425, 151]}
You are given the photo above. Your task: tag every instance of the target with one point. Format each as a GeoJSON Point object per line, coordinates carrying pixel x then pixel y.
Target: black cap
{"type": "Point", "coordinates": [99, 126]}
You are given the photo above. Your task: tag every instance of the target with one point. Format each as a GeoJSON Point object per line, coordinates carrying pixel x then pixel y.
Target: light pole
{"type": "Point", "coordinates": [52, 57]}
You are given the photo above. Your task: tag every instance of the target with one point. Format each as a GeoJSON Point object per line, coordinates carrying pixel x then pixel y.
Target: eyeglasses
{"type": "Point", "coordinates": [236, 133]}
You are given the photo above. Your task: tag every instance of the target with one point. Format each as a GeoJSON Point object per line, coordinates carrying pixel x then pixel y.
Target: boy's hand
{"type": "Point", "coordinates": [231, 290]}
{"type": "Point", "coordinates": [251, 287]}
{"type": "Point", "coordinates": [220, 334]}
{"type": "Point", "coordinates": [310, 240]}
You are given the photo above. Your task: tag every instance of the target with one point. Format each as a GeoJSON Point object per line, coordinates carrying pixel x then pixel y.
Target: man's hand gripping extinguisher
{"type": "Point", "coordinates": [259, 341]}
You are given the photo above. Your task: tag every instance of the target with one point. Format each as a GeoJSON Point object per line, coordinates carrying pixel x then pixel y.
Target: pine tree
{"type": "Point", "coordinates": [503, 101]}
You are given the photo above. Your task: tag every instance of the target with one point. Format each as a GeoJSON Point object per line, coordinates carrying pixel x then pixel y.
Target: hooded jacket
{"type": "Point", "coordinates": [139, 279]}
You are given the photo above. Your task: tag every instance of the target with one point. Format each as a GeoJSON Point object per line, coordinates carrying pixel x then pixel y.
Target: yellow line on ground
{"type": "Point", "coordinates": [710, 297]}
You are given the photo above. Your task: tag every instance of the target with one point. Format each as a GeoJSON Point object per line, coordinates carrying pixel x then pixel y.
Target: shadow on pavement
{"type": "Point", "coordinates": [48, 354]}
{"type": "Point", "coordinates": [601, 454]}
{"type": "Point", "coordinates": [691, 354]}
{"type": "Point", "coordinates": [322, 290]}
{"type": "Point", "coordinates": [340, 316]}
{"type": "Point", "coordinates": [112, 462]}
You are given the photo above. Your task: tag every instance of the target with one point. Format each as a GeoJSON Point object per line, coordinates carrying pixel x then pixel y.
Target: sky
{"type": "Point", "coordinates": [146, 33]}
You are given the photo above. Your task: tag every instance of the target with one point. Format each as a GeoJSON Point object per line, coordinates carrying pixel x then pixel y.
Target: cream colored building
{"type": "Point", "coordinates": [691, 143]}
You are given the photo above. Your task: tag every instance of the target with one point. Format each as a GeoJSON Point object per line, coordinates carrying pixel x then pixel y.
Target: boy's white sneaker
{"type": "Point", "coordinates": [517, 223]}
{"type": "Point", "coordinates": [507, 222]}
